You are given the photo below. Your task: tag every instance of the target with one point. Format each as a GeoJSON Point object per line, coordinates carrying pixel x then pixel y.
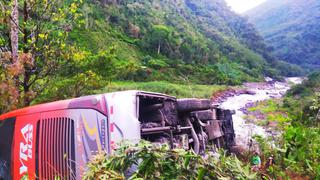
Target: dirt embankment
{"type": "Point", "coordinates": [222, 96]}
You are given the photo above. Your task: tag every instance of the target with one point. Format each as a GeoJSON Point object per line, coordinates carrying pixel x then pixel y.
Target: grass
{"type": "Point", "coordinates": [272, 110]}
{"type": "Point", "coordinates": [278, 117]}
{"type": "Point", "coordinates": [92, 41]}
{"type": "Point", "coordinates": [178, 90]}
{"type": "Point", "coordinates": [267, 106]}
{"type": "Point", "coordinates": [263, 123]}
{"type": "Point", "coordinates": [76, 87]}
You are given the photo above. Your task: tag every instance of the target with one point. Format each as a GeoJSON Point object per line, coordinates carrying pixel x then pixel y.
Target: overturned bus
{"type": "Point", "coordinates": [57, 139]}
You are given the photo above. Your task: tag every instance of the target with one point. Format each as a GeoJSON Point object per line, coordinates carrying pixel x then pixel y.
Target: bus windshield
{"type": "Point", "coordinates": [6, 137]}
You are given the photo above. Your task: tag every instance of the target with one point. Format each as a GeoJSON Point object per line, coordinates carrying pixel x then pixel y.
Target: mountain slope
{"type": "Point", "coordinates": [201, 40]}
{"type": "Point", "coordinates": [292, 28]}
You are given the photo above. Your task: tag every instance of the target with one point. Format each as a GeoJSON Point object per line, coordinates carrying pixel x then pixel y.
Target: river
{"type": "Point", "coordinates": [262, 91]}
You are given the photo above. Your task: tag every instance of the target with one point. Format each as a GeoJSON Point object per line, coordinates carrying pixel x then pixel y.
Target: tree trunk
{"type": "Point", "coordinates": [26, 89]}
{"type": "Point", "coordinates": [25, 30]}
{"type": "Point", "coordinates": [14, 39]}
{"type": "Point", "coordinates": [27, 68]}
{"type": "Point", "coordinates": [14, 31]}
{"type": "Point", "coordinates": [87, 20]}
{"type": "Point", "coordinates": [159, 47]}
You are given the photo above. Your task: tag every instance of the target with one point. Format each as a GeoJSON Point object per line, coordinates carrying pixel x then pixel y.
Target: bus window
{"type": "Point", "coordinates": [6, 137]}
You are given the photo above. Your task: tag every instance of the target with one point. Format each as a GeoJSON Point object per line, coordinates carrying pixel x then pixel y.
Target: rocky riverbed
{"type": "Point", "coordinates": [238, 100]}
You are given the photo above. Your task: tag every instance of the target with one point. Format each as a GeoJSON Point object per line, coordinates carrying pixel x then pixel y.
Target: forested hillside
{"type": "Point", "coordinates": [163, 40]}
{"type": "Point", "coordinates": [55, 50]}
{"type": "Point", "coordinates": [292, 28]}
{"type": "Point", "coordinates": [204, 40]}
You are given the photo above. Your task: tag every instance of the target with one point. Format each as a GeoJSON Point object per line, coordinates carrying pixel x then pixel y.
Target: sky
{"type": "Point", "coordinates": [241, 6]}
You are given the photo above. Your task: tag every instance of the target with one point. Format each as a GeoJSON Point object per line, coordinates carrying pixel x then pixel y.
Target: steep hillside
{"type": "Point", "coordinates": [292, 28]}
{"type": "Point", "coordinates": [80, 46]}
{"type": "Point", "coordinates": [304, 100]}
{"type": "Point", "coordinates": [201, 41]}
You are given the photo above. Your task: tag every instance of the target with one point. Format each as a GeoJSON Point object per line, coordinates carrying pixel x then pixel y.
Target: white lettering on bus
{"type": "Point", "coordinates": [26, 147]}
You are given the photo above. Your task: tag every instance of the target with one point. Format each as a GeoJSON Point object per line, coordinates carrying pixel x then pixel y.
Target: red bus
{"type": "Point", "coordinates": [57, 139]}
{"type": "Point", "coordinates": [52, 139]}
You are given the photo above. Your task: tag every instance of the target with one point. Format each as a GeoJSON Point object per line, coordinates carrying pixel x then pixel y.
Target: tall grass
{"type": "Point", "coordinates": [178, 90]}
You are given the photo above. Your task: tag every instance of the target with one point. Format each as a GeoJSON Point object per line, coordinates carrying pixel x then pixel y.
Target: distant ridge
{"type": "Point", "coordinates": [292, 28]}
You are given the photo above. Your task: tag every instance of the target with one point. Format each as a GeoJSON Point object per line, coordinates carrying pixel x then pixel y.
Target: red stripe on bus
{"type": "Point", "coordinates": [112, 145]}
{"type": "Point", "coordinates": [112, 127]}
{"type": "Point", "coordinates": [111, 110]}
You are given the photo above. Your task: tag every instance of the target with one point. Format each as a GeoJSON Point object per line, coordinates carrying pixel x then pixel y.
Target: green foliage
{"type": "Point", "coordinates": [178, 90]}
{"type": "Point", "coordinates": [78, 85]}
{"type": "Point", "coordinates": [42, 44]}
{"type": "Point", "coordinates": [297, 151]}
{"type": "Point", "coordinates": [182, 42]}
{"type": "Point", "coordinates": [160, 34]}
{"type": "Point", "coordinates": [302, 140]}
{"type": "Point", "coordinates": [289, 70]}
{"type": "Point", "coordinates": [271, 111]}
{"type": "Point", "coordinates": [165, 40]}
{"type": "Point", "coordinates": [302, 101]}
{"type": "Point", "coordinates": [103, 63]}
{"type": "Point", "coordinates": [303, 150]}
{"type": "Point", "coordinates": [88, 83]}
{"type": "Point", "coordinates": [267, 106]}
{"type": "Point", "coordinates": [147, 161]}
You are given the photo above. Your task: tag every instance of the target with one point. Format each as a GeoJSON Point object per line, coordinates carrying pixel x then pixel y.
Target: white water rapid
{"type": "Point", "coordinates": [244, 131]}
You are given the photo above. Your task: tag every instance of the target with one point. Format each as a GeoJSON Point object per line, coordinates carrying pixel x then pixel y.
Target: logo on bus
{"type": "Point", "coordinates": [26, 147]}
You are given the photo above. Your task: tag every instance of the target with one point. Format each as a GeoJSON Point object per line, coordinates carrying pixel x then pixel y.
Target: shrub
{"type": "Point", "coordinates": [147, 161]}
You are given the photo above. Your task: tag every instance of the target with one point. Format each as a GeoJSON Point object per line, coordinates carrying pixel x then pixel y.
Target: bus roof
{"type": "Point", "coordinates": [97, 102]}
{"type": "Point", "coordinates": [87, 102]}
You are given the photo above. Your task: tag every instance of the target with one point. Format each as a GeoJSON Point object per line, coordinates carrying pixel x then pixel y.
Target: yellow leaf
{"type": "Point", "coordinates": [41, 36]}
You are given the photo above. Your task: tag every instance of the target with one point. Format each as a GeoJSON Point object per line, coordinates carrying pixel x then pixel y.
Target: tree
{"type": "Point", "coordinates": [134, 30]}
{"type": "Point", "coordinates": [14, 22]}
{"type": "Point", "coordinates": [38, 43]}
{"type": "Point", "coordinates": [160, 34]}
